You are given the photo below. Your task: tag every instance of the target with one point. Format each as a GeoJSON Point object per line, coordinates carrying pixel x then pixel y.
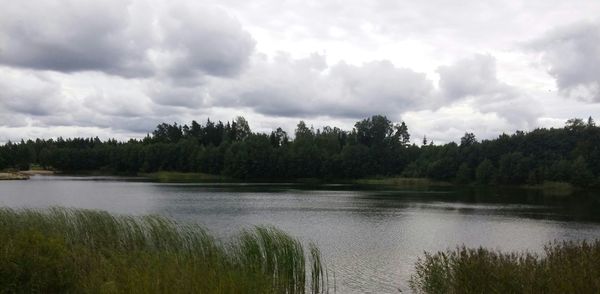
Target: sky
{"type": "Point", "coordinates": [117, 68]}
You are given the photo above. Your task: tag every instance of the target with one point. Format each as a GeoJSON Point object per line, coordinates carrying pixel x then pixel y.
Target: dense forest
{"type": "Point", "coordinates": [374, 147]}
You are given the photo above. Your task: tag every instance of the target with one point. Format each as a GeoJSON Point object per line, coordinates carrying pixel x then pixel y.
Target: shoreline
{"type": "Point", "coordinates": [23, 175]}
{"type": "Point", "coordinates": [13, 176]}
{"type": "Point", "coordinates": [35, 172]}
{"type": "Point", "coordinates": [557, 188]}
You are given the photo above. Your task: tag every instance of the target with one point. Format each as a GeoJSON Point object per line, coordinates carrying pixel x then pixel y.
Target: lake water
{"type": "Point", "coordinates": [370, 238]}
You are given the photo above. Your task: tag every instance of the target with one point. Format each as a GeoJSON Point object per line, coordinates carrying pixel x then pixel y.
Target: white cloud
{"type": "Point", "coordinates": [475, 80]}
{"type": "Point", "coordinates": [572, 56]}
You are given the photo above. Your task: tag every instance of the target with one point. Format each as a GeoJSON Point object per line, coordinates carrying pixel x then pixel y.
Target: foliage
{"type": "Point", "coordinates": [484, 174]}
{"type": "Point", "coordinates": [82, 251]}
{"type": "Point", "coordinates": [374, 147]}
{"type": "Point", "coordinates": [567, 267]}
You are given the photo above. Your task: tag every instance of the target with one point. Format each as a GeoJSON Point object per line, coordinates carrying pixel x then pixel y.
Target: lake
{"type": "Point", "coordinates": [370, 236]}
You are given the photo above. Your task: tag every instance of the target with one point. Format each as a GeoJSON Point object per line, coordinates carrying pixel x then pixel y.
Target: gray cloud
{"type": "Point", "coordinates": [475, 80]}
{"type": "Point", "coordinates": [469, 77]}
{"type": "Point", "coordinates": [572, 56]}
{"type": "Point", "coordinates": [168, 94]}
{"type": "Point", "coordinates": [126, 38]}
{"type": "Point", "coordinates": [28, 93]}
{"type": "Point", "coordinates": [306, 87]}
{"type": "Point", "coordinates": [122, 66]}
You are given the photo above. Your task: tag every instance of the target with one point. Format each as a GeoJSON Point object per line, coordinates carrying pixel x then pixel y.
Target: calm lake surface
{"type": "Point", "coordinates": [370, 238]}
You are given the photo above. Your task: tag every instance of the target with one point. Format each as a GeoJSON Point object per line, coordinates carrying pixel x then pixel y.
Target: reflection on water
{"type": "Point", "coordinates": [371, 238]}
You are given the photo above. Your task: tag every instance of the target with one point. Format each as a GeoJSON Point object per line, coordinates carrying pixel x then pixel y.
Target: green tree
{"type": "Point", "coordinates": [574, 124]}
{"type": "Point", "coordinates": [513, 168]}
{"type": "Point", "coordinates": [373, 131]}
{"type": "Point", "coordinates": [581, 174]}
{"type": "Point", "coordinates": [485, 172]}
{"type": "Point", "coordinates": [467, 140]}
{"type": "Point", "coordinates": [401, 135]}
{"type": "Point", "coordinates": [464, 174]}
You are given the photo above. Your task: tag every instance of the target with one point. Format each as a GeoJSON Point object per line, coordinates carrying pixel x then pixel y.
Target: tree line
{"type": "Point", "coordinates": [374, 147]}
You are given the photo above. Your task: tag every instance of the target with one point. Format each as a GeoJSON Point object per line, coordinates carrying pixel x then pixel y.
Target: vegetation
{"type": "Point", "coordinates": [401, 181]}
{"type": "Point", "coordinates": [13, 176]}
{"type": "Point", "coordinates": [567, 267]}
{"type": "Point", "coordinates": [175, 177]}
{"type": "Point", "coordinates": [83, 251]}
{"type": "Point", "coordinates": [375, 147]}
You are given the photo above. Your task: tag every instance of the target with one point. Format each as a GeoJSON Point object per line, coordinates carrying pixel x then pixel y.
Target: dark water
{"type": "Point", "coordinates": [370, 237]}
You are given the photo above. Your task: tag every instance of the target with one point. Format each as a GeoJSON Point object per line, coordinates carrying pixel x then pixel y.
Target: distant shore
{"type": "Point", "coordinates": [23, 175]}
{"type": "Point", "coordinates": [13, 176]}
{"type": "Point", "coordinates": [555, 188]}
{"type": "Point", "coordinates": [32, 172]}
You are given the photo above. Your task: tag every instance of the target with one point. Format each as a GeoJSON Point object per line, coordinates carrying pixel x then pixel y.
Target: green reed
{"type": "Point", "coordinates": [565, 267]}
{"type": "Point", "coordinates": [85, 251]}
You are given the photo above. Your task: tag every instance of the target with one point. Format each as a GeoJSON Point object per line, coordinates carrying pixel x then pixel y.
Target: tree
{"type": "Point", "coordinates": [195, 131]}
{"type": "Point", "coordinates": [375, 146]}
{"type": "Point", "coordinates": [242, 128]}
{"type": "Point", "coordinates": [278, 138]}
{"type": "Point", "coordinates": [591, 123]}
{"type": "Point", "coordinates": [581, 174]}
{"type": "Point", "coordinates": [560, 170]}
{"type": "Point", "coordinates": [402, 134]}
{"type": "Point", "coordinates": [484, 174]}
{"type": "Point", "coordinates": [251, 158]}
{"type": "Point", "coordinates": [355, 161]}
{"type": "Point", "coordinates": [464, 174]}
{"type": "Point", "coordinates": [168, 133]}
{"type": "Point", "coordinates": [467, 140]}
{"type": "Point", "coordinates": [373, 131]}
{"type": "Point", "coordinates": [513, 168]}
{"type": "Point", "coordinates": [303, 132]}
{"type": "Point", "coordinates": [574, 124]}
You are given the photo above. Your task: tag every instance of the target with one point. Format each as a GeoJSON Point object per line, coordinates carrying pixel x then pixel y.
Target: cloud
{"type": "Point", "coordinates": [474, 81]}
{"type": "Point", "coordinates": [469, 77]}
{"type": "Point", "coordinates": [167, 94]}
{"type": "Point", "coordinates": [127, 38]}
{"type": "Point", "coordinates": [285, 86]}
{"type": "Point", "coordinates": [124, 66]}
{"type": "Point", "coordinates": [28, 93]}
{"type": "Point", "coordinates": [571, 54]}
{"type": "Point", "coordinates": [450, 123]}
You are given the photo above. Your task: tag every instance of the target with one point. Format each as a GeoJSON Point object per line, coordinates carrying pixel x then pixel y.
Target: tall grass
{"type": "Point", "coordinates": [402, 182]}
{"type": "Point", "coordinates": [83, 251]}
{"type": "Point", "coordinates": [565, 267]}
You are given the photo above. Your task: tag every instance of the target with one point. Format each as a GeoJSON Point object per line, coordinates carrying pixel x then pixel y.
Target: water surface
{"type": "Point", "coordinates": [369, 237]}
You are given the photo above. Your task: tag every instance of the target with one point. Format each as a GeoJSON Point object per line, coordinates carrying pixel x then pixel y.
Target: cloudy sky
{"type": "Point", "coordinates": [118, 68]}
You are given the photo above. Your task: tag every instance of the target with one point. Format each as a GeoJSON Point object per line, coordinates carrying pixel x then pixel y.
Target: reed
{"type": "Point", "coordinates": [564, 267]}
{"type": "Point", "coordinates": [84, 251]}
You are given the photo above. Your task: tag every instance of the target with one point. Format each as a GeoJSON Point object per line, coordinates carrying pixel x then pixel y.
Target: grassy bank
{"type": "Point", "coordinates": [402, 182]}
{"type": "Point", "coordinates": [182, 177]}
{"type": "Point", "coordinates": [83, 251]}
{"type": "Point", "coordinates": [567, 267]}
{"type": "Point", "coordinates": [13, 176]}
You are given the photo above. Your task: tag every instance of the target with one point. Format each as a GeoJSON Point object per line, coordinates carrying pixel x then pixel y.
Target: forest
{"type": "Point", "coordinates": [374, 147]}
